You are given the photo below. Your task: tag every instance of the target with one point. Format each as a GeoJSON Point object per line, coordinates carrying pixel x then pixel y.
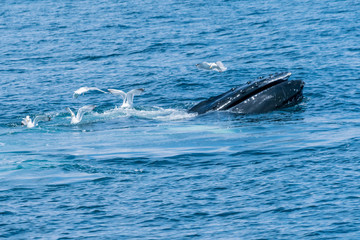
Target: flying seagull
{"type": "Point", "coordinates": [77, 118]}
{"type": "Point", "coordinates": [30, 124]}
{"type": "Point", "coordinates": [218, 66]}
{"type": "Point", "coordinates": [83, 90]}
{"type": "Point", "coordinates": [127, 97]}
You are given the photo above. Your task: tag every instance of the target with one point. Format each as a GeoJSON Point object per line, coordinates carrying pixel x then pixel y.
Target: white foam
{"type": "Point", "coordinates": [156, 113]}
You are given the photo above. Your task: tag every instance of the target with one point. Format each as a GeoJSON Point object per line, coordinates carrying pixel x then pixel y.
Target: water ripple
{"type": "Point", "coordinates": [155, 171]}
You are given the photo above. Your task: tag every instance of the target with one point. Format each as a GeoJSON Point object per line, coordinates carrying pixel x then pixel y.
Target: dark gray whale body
{"type": "Point", "coordinates": [264, 95]}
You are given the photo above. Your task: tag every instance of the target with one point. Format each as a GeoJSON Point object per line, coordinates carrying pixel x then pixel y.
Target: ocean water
{"type": "Point", "coordinates": [155, 171]}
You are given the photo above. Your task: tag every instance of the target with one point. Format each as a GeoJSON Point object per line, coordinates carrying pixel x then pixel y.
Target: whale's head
{"type": "Point", "coordinates": [263, 95]}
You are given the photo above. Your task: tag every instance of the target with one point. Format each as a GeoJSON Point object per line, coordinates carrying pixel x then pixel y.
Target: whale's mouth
{"type": "Point", "coordinates": [275, 86]}
{"type": "Point", "coordinates": [257, 89]}
{"type": "Point", "coordinates": [297, 97]}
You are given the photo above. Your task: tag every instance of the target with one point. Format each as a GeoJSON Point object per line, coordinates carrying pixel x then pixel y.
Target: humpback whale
{"type": "Point", "coordinates": [264, 95]}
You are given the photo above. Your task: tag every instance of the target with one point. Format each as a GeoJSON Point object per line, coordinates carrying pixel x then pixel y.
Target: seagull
{"type": "Point", "coordinates": [127, 97]}
{"type": "Point", "coordinates": [83, 90]}
{"type": "Point", "coordinates": [76, 119]}
{"type": "Point", "coordinates": [218, 66]}
{"type": "Point", "coordinates": [30, 124]}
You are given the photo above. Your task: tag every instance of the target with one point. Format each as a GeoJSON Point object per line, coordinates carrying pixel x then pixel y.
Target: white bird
{"type": "Point", "coordinates": [127, 97]}
{"type": "Point", "coordinates": [218, 66]}
{"type": "Point", "coordinates": [30, 124]}
{"type": "Point", "coordinates": [76, 119]}
{"type": "Point", "coordinates": [83, 90]}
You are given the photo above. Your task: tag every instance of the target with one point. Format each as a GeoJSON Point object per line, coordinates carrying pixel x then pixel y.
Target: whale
{"type": "Point", "coordinates": [263, 95]}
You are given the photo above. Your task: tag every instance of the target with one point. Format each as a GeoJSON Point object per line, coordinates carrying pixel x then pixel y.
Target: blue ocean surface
{"type": "Point", "coordinates": [155, 171]}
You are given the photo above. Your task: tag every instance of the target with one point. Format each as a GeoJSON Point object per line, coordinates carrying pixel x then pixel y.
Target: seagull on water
{"type": "Point", "coordinates": [83, 90]}
{"type": "Point", "coordinates": [77, 118]}
{"type": "Point", "coordinates": [217, 66]}
{"type": "Point", "coordinates": [127, 97]}
{"type": "Point", "coordinates": [30, 124]}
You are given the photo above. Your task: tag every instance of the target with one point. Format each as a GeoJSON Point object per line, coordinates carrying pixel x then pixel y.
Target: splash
{"type": "Point", "coordinates": [155, 113]}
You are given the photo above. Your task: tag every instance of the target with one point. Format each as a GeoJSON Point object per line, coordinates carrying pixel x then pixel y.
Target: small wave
{"type": "Point", "coordinates": [154, 48]}
{"type": "Point", "coordinates": [95, 57]}
{"type": "Point", "coordinates": [3, 213]}
{"type": "Point", "coordinates": [119, 26]}
{"type": "Point", "coordinates": [14, 70]}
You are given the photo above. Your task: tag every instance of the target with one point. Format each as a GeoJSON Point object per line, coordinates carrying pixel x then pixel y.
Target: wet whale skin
{"type": "Point", "coordinates": [263, 95]}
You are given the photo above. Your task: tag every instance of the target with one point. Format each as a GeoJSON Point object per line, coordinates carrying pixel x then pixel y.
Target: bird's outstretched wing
{"type": "Point", "coordinates": [96, 89]}
{"type": "Point", "coordinates": [83, 90]}
{"type": "Point", "coordinates": [204, 65]}
{"type": "Point", "coordinates": [118, 92]}
{"type": "Point", "coordinates": [41, 118]}
{"type": "Point", "coordinates": [83, 110]}
{"type": "Point", "coordinates": [23, 121]}
{"type": "Point", "coordinates": [218, 66]}
{"type": "Point", "coordinates": [71, 112]}
{"type": "Point", "coordinates": [135, 92]}
{"type": "Point", "coordinates": [221, 66]}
